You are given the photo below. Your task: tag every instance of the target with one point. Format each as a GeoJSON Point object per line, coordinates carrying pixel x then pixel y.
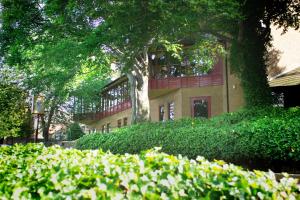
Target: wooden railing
{"type": "Point", "coordinates": [215, 77]}
{"type": "Point", "coordinates": [100, 115]}
{"type": "Point", "coordinates": [185, 82]}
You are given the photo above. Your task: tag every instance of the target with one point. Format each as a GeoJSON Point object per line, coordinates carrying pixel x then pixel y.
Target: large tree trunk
{"type": "Point", "coordinates": [46, 125]}
{"type": "Point", "coordinates": [138, 80]}
{"type": "Point", "coordinates": [254, 77]}
{"type": "Point", "coordinates": [248, 57]}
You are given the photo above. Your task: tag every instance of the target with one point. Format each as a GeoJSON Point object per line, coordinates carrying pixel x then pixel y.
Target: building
{"type": "Point", "coordinates": [286, 88]}
{"type": "Point", "coordinates": [175, 91]}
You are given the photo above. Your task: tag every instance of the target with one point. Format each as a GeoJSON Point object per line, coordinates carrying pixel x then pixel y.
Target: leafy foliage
{"type": "Point", "coordinates": [250, 137]}
{"type": "Point", "coordinates": [36, 172]}
{"type": "Point", "coordinates": [12, 110]}
{"type": "Point", "coordinates": [74, 131]}
{"type": "Point", "coordinates": [55, 61]}
{"type": "Point", "coordinates": [272, 62]}
{"type": "Point", "coordinates": [59, 38]}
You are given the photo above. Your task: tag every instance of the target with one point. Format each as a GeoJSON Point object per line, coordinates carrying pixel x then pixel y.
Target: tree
{"type": "Point", "coordinates": [12, 110]}
{"type": "Point", "coordinates": [15, 116]}
{"type": "Point", "coordinates": [60, 78]}
{"type": "Point", "coordinates": [128, 31]}
{"type": "Point", "coordinates": [272, 59]}
{"type": "Point", "coordinates": [251, 39]}
{"type": "Point", "coordinates": [54, 62]}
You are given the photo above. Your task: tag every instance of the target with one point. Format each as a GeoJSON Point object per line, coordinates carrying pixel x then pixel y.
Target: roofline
{"type": "Point", "coordinates": [283, 73]}
{"type": "Point", "coordinates": [114, 82]}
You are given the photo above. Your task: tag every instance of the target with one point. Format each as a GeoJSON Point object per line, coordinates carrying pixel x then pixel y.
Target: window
{"type": "Point", "coordinates": [125, 121]}
{"type": "Point", "coordinates": [171, 114]}
{"type": "Point", "coordinates": [161, 113]}
{"type": "Point", "coordinates": [168, 66]}
{"type": "Point", "coordinates": [119, 123]}
{"type": "Point", "coordinates": [201, 107]}
{"type": "Point", "coordinates": [108, 128]}
{"type": "Point", "coordinates": [114, 95]}
{"type": "Point", "coordinates": [103, 129]}
{"type": "Point", "coordinates": [278, 99]}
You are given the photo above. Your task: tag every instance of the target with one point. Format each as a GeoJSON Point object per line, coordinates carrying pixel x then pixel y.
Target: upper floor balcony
{"type": "Point", "coordinates": [182, 77]}
{"type": "Point", "coordinates": [100, 114]}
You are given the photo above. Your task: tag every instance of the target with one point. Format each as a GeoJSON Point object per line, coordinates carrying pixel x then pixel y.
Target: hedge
{"type": "Point", "coordinates": [74, 131]}
{"type": "Point", "coordinates": [252, 136]}
{"type": "Point", "coordinates": [36, 172]}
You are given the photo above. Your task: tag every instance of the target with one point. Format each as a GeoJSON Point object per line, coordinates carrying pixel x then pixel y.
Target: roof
{"type": "Point", "coordinates": [290, 78]}
{"type": "Point", "coordinates": [114, 82]}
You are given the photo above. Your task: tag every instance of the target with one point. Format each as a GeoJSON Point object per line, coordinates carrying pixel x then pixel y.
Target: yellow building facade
{"type": "Point", "coordinates": [171, 98]}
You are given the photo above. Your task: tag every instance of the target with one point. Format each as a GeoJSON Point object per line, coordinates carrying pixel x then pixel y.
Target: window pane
{"type": "Point", "coordinates": [200, 107]}
{"type": "Point", "coordinates": [171, 111]}
{"type": "Point", "coordinates": [161, 113]}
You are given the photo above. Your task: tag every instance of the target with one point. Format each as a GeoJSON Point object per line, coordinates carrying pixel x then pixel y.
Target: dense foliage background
{"type": "Point", "coordinates": [259, 137]}
{"type": "Point", "coordinates": [36, 172]}
{"type": "Point", "coordinates": [14, 119]}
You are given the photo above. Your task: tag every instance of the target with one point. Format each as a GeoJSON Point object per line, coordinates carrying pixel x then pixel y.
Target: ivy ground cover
{"type": "Point", "coordinates": [37, 172]}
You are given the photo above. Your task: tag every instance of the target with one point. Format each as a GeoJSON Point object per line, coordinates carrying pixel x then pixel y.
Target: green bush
{"type": "Point", "coordinates": [254, 135]}
{"type": "Point", "coordinates": [12, 111]}
{"type": "Point", "coordinates": [74, 131]}
{"type": "Point", "coordinates": [36, 172]}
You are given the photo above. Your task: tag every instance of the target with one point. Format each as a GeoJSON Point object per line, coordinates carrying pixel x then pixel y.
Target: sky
{"type": "Point", "coordinates": [289, 44]}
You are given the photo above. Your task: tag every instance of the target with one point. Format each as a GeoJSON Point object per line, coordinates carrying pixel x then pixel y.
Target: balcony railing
{"type": "Point", "coordinates": [215, 77]}
{"type": "Point", "coordinates": [185, 82]}
{"type": "Point", "coordinates": [100, 115]}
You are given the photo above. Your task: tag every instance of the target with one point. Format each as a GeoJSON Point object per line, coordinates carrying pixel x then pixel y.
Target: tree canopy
{"type": "Point", "coordinates": [54, 62]}
{"type": "Point", "coordinates": [60, 40]}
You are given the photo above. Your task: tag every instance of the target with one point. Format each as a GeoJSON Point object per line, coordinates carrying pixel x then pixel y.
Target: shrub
{"type": "Point", "coordinates": [248, 137]}
{"type": "Point", "coordinates": [12, 110]}
{"type": "Point", "coordinates": [36, 172]}
{"type": "Point", "coordinates": [74, 131]}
